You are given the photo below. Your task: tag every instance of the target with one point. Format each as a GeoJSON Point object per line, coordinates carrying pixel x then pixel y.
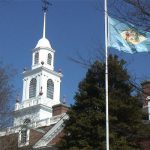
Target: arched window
{"type": "Point", "coordinates": [36, 58]}
{"type": "Point", "coordinates": [50, 88]}
{"type": "Point", "coordinates": [27, 121]}
{"type": "Point", "coordinates": [32, 88]}
{"type": "Point", "coordinates": [23, 135]}
{"type": "Point", "coordinates": [49, 59]}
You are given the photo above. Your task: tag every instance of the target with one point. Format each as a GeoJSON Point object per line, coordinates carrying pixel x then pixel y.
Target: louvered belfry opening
{"type": "Point", "coordinates": [50, 88]}
{"type": "Point", "coordinates": [32, 88]}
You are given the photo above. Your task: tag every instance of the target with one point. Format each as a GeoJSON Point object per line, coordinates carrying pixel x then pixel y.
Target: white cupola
{"type": "Point", "coordinates": [43, 54]}
{"type": "Point", "coordinates": [43, 43]}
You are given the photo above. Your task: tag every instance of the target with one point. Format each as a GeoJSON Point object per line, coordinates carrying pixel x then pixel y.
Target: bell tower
{"type": "Point", "coordinates": [43, 54]}
{"type": "Point", "coordinates": [41, 84]}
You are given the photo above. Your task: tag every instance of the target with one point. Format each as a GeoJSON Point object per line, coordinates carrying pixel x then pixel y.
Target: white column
{"type": "Point", "coordinates": [148, 99]}
{"type": "Point", "coordinates": [57, 90]}
{"type": "Point", "coordinates": [27, 88]}
{"type": "Point", "coordinates": [38, 78]}
{"type": "Point", "coordinates": [44, 85]}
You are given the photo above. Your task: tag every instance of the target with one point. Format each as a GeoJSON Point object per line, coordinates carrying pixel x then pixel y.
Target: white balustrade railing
{"type": "Point", "coordinates": [35, 101]}
{"type": "Point", "coordinates": [44, 122]}
{"type": "Point", "coordinates": [10, 130]}
{"type": "Point", "coordinates": [32, 102]}
{"type": "Point", "coordinates": [47, 121]}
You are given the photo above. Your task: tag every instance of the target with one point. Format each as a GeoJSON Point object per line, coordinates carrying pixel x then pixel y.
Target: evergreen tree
{"type": "Point", "coordinates": [85, 129]}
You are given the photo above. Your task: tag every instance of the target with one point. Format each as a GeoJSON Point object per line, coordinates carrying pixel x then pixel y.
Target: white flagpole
{"type": "Point", "coordinates": [106, 75]}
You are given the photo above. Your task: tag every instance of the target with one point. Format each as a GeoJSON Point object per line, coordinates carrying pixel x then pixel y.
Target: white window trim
{"type": "Point", "coordinates": [36, 58]}
{"type": "Point", "coordinates": [51, 90]}
{"type": "Point", "coordinates": [49, 59]}
{"type": "Point", "coordinates": [19, 139]}
{"type": "Point", "coordinates": [34, 88]}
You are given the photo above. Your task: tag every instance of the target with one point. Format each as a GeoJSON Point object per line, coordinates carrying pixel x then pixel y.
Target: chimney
{"type": "Point", "coordinates": [59, 109]}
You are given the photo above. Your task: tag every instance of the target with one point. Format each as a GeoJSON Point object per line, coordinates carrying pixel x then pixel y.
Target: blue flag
{"type": "Point", "coordinates": [125, 37]}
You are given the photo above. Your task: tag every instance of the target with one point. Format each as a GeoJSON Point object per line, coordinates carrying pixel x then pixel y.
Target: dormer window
{"type": "Point", "coordinates": [36, 58]}
{"type": "Point", "coordinates": [49, 59]}
{"type": "Point", "coordinates": [23, 135]}
{"type": "Point", "coordinates": [32, 88]}
{"type": "Point", "coordinates": [27, 121]}
{"type": "Point", "coordinates": [50, 88]}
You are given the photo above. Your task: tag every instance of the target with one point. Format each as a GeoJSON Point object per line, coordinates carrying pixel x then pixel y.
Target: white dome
{"type": "Point", "coordinates": [43, 42]}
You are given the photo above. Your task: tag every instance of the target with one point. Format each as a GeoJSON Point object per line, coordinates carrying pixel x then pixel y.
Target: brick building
{"type": "Point", "coordinates": [39, 116]}
{"type": "Point", "coordinates": [43, 137]}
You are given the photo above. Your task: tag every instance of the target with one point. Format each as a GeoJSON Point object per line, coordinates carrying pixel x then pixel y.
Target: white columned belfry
{"type": "Point", "coordinates": [41, 84]}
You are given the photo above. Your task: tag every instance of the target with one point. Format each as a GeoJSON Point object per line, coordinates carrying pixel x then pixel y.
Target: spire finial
{"type": "Point", "coordinates": [45, 9]}
{"type": "Point", "coordinates": [44, 25]}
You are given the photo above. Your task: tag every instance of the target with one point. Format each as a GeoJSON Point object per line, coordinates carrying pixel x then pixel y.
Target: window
{"type": "Point", "coordinates": [50, 88]}
{"type": "Point", "coordinates": [32, 88]}
{"type": "Point", "coordinates": [49, 59]}
{"type": "Point", "coordinates": [27, 121]}
{"type": "Point", "coordinates": [36, 58]}
{"type": "Point", "coordinates": [23, 135]}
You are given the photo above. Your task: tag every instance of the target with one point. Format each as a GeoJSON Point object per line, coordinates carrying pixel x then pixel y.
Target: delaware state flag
{"type": "Point", "coordinates": [125, 37]}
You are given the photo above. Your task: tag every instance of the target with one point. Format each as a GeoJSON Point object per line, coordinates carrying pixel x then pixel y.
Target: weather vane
{"type": "Point", "coordinates": [45, 5]}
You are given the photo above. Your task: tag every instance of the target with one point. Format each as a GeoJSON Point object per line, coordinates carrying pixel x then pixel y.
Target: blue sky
{"type": "Point", "coordinates": [73, 26]}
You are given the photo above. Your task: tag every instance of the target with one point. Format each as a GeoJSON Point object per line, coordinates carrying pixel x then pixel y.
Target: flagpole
{"type": "Point", "coordinates": [106, 75]}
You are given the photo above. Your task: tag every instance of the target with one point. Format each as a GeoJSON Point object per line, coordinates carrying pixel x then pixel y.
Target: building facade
{"type": "Point", "coordinates": [39, 116]}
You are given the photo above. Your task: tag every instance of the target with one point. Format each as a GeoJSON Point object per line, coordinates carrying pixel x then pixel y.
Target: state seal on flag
{"type": "Point", "coordinates": [133, 36]}
{"type": "Point", "coordinates": [125, 37]}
